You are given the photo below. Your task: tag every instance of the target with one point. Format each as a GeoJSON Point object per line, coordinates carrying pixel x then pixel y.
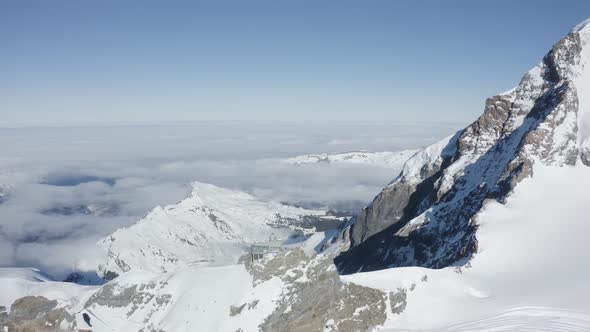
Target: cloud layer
{"type": "Point", "coordinates": [71, 186]}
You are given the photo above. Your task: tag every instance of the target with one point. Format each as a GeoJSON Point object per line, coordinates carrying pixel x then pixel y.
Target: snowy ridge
{"type": "Point", "coordinates": [211, 225]}
{"type": "Point", "coordinates": [187, 300]}
{"type": "Point", "coordinates": [431, 208]}
{"type": "Point", "coordinates": [383, 159]}
{"type": "Point", "coordinates": [428, 156]}
{"type": "Point", "coordinates": [30, 274]}
{"type": "Point", "coordinates": [16, 283]}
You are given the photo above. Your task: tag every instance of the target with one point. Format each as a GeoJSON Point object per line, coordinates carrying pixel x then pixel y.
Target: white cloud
{"type": "Point", "coordinates": [136, 168]}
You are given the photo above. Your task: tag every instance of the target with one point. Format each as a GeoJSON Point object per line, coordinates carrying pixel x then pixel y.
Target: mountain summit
{"type": "Point", "coordinates": [211, 224]}
{"type": "Point", "coordinates": [427, 216]}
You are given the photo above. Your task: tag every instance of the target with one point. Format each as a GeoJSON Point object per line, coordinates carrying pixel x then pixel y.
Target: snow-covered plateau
{"type": "Point", "coordinates": [483, 231]}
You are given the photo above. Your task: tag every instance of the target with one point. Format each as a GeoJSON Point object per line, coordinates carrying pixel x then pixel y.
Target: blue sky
{"type": "Point", "coordinates": [68, 62]}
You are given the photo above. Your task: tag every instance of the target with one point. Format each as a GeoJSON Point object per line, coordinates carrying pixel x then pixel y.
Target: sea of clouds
{"type": "Point", "coordinates": [51, 176]}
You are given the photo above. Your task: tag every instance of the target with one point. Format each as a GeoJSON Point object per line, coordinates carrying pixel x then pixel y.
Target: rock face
{"type": "Point", "coordinates": [36, 313]}
{"type": "Point", "coordinates": [427, 216]}
{"type": "Point", "coordinates": [314, 297]}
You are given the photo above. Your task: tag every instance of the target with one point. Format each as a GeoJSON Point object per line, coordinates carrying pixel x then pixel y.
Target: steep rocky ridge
{"type": "Point", "coordinates": [427, 216]}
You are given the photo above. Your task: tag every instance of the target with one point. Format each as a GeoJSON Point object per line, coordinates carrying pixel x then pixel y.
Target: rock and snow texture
{"type": "Point", "coordinates": [394, 160]}
{"type": "Point", "coordinates": [427, 216]}
{"type": "Point", "coordinates": [288, 291]}
{"type": "Point", "coordinates": [12, 281]}
{"type": "Point", "coordinates": [196, 298]}
{"type": "Point", "coordinates": [451, 200]}
{"type": "Point", "coordinates": [530, 273]}
{"type": "Point", "coordinates": [32, 301]}
{"type": "Point", "coordinates": [211, 225]}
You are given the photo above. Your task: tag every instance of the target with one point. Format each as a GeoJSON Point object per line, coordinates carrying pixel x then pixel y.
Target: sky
{"type": "Point", "coordinates": [83, 62]}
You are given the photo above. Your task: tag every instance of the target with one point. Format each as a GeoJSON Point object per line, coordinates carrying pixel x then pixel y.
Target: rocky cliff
{"type": "Point", "coordinates": [427, 216]}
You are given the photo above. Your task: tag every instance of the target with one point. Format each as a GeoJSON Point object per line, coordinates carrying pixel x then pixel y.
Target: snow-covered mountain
{"type": "Point", "coordinates": [484, 231]}
{"type": "Point", "coordinates": [394, 160]}
{"type": "Point", "coordinates": [212, 224]}
{"type": "Point", "coordinates": [428, 215]}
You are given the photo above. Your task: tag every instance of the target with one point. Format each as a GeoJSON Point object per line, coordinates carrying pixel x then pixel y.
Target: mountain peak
{"type": "Point", "coordinates": [427, 216]}
{"type": "Point", "coordinates": [211, 224]}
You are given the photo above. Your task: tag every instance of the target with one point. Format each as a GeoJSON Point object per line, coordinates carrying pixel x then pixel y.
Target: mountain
{"type": "Point", "coordinates": [427, 216]}
{"type": "Point", "coordinates": [393, 160]}
{"type": "Point", "coordinates": [485, 230]}
{"type": "Point", "coordinates": [212, 224]}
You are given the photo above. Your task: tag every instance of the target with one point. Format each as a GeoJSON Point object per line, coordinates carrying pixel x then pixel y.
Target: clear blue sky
{"type": "Point", "coordinates": [67, 62]}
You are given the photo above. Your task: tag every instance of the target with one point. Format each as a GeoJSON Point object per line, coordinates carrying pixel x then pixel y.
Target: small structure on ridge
{"type": "Point", "coordinates": [259, 249]}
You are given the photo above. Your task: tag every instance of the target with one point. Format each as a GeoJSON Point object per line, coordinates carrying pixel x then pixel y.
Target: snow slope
{"type": "Point", "coordinates": [211, 225]}
{"type": "Point", "coordinates": [533, 255]}
{"type": "Point", "coordinates": [18, 282]}
{"type": "Point", "coordinates": [196, 298]}
{"type": "Point", "coordinates": [529, 319]}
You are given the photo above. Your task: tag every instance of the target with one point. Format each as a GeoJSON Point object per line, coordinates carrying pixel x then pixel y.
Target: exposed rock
{"type": "Point", "coordinates": [428, 215]}
{"type": "Point", "coordinates": [234, 311]}
{"type": "Point", "coordinates": [315, 296]}
{"type": "Point", "coordinates": [109, 275]}
{"type": "Point", "coordinates": [133, 296]}
{"type": "Point", "coordinates": [398, 301]}
{"type": "Point", "coordinates": [253, 304]}
{"type": "Point", "coordinates": [36, 313]}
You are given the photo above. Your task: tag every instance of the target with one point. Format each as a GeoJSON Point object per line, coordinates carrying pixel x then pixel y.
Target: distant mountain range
{"type": "Point", "coordinates": [394, 160]}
